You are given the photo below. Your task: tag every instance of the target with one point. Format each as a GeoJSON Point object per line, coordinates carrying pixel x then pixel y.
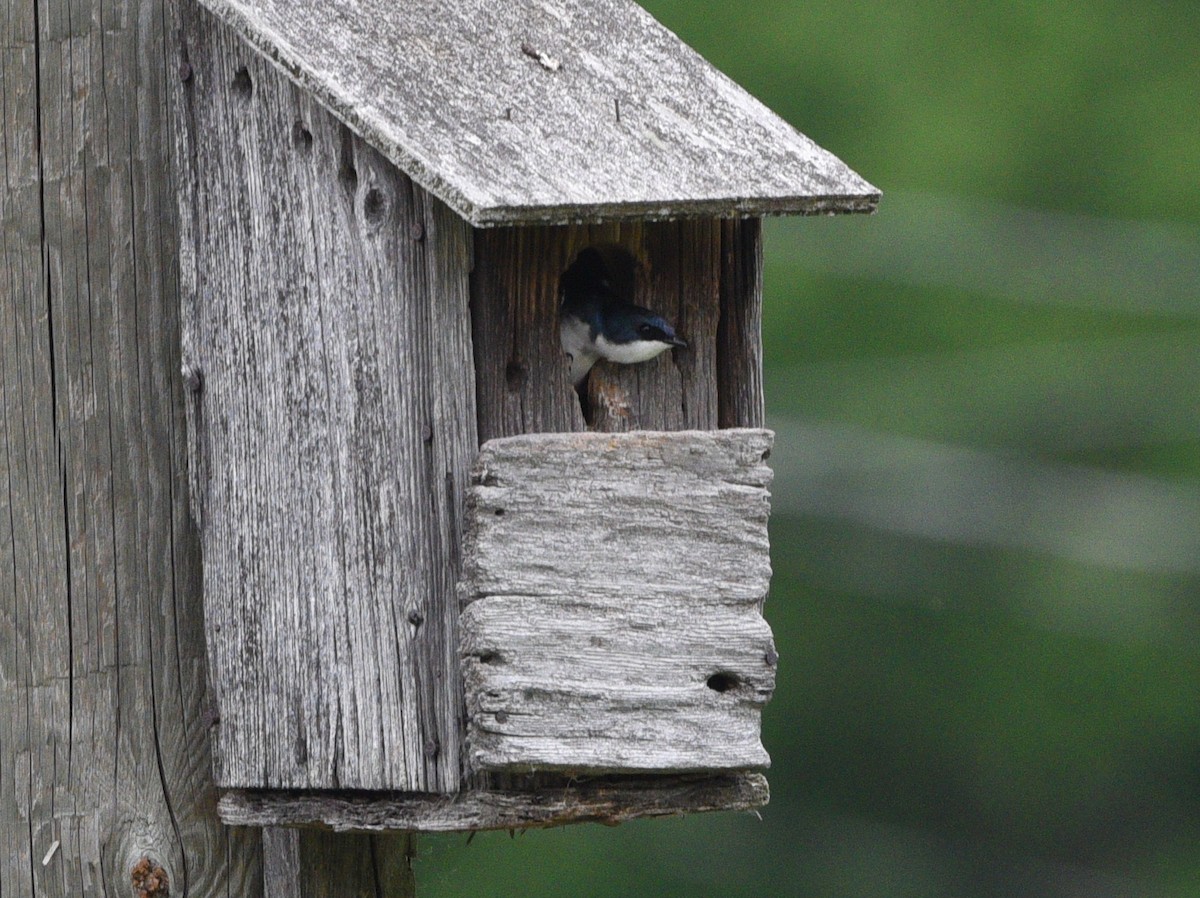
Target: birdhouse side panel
{"type": "Point", "coordinates": [614, 586]}
{"type": "Point", "coordinates": [327, 348]}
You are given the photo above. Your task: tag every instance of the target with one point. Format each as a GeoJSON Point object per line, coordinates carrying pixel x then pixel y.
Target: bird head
{"type": "Point", "coordinates": [629, 334]}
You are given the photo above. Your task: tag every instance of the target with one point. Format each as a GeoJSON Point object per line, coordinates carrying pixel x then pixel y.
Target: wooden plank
{"type": "Point", "coordinates": [607, 800]}
{"type": "Point", "coordinates": [630, 123]}
{"type": "Point", "coordinates": [327, 337]}
{"type": "Point", "coordinates": [102, 686]}
{"type": "Point", "coordinates": [686, 511]}
{"type": "Point", "coordinates": [522, 382]}
{"type": "Point", "coordinates": [614, 586]}
{"type": "Point", "coordinates": [739, 337]}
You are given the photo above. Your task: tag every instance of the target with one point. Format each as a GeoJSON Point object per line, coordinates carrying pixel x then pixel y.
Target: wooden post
{"type": "Point", "coordinates": [105, 778]}
{"type": "Point", "coordinates": [105, 771]}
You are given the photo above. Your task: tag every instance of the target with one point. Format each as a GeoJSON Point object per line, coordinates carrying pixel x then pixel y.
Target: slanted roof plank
{"type": "Point", "coordinates": [540, 111]}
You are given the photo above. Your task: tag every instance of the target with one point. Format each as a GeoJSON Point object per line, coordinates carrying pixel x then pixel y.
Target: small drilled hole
{"type": "Point", "coordinates": [302, 138]}
{"type": "Point", "coordinates": [515, 374]}
{"type": "Point", "coordinates": [242, 85]}
{"type": "Point", "coordinates": [723, 681]}
{"type": "Point", "coordinates": [499, 512]}
{"type": "Point", "coordinates": [489, 658]}
{"type": "Point", "coordinates": [374, 206]}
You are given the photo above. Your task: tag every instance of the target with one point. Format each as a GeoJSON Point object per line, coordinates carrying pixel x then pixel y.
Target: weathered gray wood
{"type": "Point", "coordinates": [614, 585]}
{"type": "Point", "coordinates": [689, 511]}
{"type": "Point", "coordinates": [739, 337]}
{"type": "Point", "coordinates": [609, 800]}
{"type": "Point", "coordinates": [327, 338]}
{"type": "Point", "coordinates": [522, 382]}
{"type": "Point", "coordinates": [103, 747]}
{"type": "Point", "coordinates": [630, 124]}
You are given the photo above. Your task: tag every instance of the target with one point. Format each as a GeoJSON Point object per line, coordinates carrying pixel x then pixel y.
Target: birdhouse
{"type": "Point", "coordinates": [446, 586]}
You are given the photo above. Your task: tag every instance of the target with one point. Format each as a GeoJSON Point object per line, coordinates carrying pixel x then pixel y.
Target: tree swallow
{"type": "Point", "coordinates": [595, 323]}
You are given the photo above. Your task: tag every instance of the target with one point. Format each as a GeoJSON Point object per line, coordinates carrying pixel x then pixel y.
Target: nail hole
{"type": "Point", "coordinates": [242, 85]}
{"type": "Point", "coordinates": [374, 206]}
{"type": "Point", "coordinates": [490, 658]}
{"type": "Point", "coordinates": [499, 512]}
{"type": "Point", "coordinates": [302, 138]}
{"type": "Point", "coordinates": [723, 681]}
{"type": "Point", "coordinates": [515, 374]}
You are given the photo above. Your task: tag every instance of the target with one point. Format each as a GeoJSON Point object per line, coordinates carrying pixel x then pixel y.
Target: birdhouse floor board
{"type": "Point", "coordinates": [610, 800]}
{"type": "Point", "coordinates": [614, 584]}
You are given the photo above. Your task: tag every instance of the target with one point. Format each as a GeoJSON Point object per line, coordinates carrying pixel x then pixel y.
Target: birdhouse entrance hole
{"type": "Point", "coordinates": [605, 269]}
{"type": "Point", "coordinates": [702, 276]}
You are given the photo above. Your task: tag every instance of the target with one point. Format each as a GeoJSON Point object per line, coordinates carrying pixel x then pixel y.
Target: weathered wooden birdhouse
{"type": "Point", "coordinates": [431, 566]}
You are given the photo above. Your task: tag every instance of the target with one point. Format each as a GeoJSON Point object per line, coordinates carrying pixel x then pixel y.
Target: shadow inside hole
{"type": "Point", "coordinates": [302, 138]}
{"type": "Point", "coordinates": [374, 206]}
{"type": "Point", "coordinates": [723, 681]}
{"type": "Point", "coordinates": [243, 86]}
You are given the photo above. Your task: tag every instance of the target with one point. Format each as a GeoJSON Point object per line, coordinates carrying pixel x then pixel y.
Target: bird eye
{"type": "Point", "coordinates": [646, 330]}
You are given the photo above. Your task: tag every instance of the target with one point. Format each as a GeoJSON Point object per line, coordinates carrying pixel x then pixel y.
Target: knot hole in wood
{"type": "Point", "coordinates": [375, 206]}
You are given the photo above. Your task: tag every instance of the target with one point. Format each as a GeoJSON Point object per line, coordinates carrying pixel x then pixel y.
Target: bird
{"type": "Point", "coordinates": [595, 322]}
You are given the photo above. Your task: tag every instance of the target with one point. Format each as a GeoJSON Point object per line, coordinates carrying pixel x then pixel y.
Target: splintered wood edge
{"type": "Point", "coordinates": [609, 801]}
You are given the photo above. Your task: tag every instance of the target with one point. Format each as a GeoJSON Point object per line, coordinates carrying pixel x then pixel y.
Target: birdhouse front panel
{"type": "Point", "coordinates": [614, 585]}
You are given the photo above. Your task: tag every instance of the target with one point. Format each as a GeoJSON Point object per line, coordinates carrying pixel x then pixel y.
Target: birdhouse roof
{"type": "Point", "coordinates": [547, 111]}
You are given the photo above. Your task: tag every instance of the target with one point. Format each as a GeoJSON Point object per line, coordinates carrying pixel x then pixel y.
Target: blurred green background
{"type": "Point", "coordinates": [986, 532]}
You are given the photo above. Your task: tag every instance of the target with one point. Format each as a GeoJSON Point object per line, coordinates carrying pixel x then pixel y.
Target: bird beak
{"type": "Point", "coordinates": [677, 343]}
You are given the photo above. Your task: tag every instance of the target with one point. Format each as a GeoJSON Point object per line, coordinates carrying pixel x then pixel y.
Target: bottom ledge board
{"type": "Point", "coordinates": [607, 800]}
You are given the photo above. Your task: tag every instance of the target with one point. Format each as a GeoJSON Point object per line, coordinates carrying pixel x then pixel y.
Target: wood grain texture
{"type": "Point", "coordinates": [613, 586]}
{"type": "Point", "coordinates": [103, 747]}
{"type": "Point", "coordinates": [607, 800]}
{"type": "Point", "coordinates": [327, 336]}
{"type": "Point", "coordinates": [631, 124]}
{"type": "Point", "coordinates": [739, 336]}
